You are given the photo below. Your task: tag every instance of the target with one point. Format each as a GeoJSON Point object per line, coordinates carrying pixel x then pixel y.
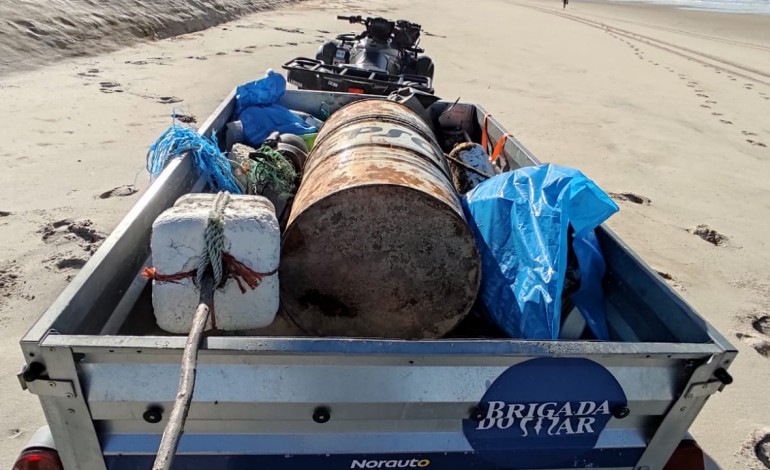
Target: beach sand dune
{"type": "Point", "coordinates": [669, 109]}
{"type": "Point", "coordinates": [37, 32]}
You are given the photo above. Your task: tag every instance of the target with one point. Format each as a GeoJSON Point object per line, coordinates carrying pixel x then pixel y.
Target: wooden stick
{"type": "Point", "coordinates": [466, 166]}
{"type": "Point", "coordinates": [175, 426]}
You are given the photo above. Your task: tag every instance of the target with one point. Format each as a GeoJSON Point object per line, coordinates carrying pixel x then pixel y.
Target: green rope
{"type": "Point", "coordinates": [271, 169]}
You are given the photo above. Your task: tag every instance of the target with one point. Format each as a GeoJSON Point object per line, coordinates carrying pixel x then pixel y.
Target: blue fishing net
{"type": "Point", "coordinates": [209, 162]}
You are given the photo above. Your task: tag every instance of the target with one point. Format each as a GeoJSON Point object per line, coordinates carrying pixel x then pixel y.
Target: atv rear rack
{"type": "Point", "coordinates": [313, 74]}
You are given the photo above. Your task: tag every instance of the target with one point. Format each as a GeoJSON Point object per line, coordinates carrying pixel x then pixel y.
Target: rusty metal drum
{"type": "Point", "coordinates": [377, 244]}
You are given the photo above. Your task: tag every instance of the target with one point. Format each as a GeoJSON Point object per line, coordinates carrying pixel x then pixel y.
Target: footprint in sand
{"type": "Point", "coordinates": [200, 57]}
{"type": "Point", "coordinates": [762, 325]}
{"type": "Point", "coordinates": [70, 263]}
{"type": "Point", "coordinates": [65, 231]}
{"type": "Point", "coordinates": [756, 143]}
{"type": "Point", "coordinates": [702, 95]}
{"type": "Point", "coordinates": [705, 106]}
{"type": "Point", "coordinates": [631, 197]}
{"type": "Point", "coordinates": [90, 73]}
{"type": "Point", "coordinates": [671, 280]}
{"type": "Point", "coordinates": [717, 114]}
{"type": "Point", "coordinates": [168, 99]}
{"type": "Point", "coordinates": [221, 53]}
{"type": "Point", "coordinates": [758, 337]}
{"type": "Point", "coordinates": [711, 102]}
{"type": "Point", "coordinates": [690, 85]}
{"type": "Point", "coordinates": [5, 213]}
{"type": "Point", "coordinates": [748, 133]}
{"type": "Point", "coordinates": [110, 87]}
{"type": "Point", "coordinates": [762, 450]}
{"type": "Point", "coordinates": [186, 118]}
{"type": "Point", "coordinates": [710, 235]}
{"type": "Point", "coordinates": [289, 30]}
{"type": "Point", "coordinates": [761, 345]}
{"type": "Point", "coordinates": [725, 121]}
{"type": "Point", "coordinates": [120, 191]}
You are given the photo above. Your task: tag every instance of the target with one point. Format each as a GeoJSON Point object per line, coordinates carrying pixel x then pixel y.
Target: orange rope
{"type": "Point", "coordinates": [233, 269]}
{"type": "Point", "coordinates": [499, 147]}
{"type": "Point", "coordinates": [152, 273]}
{"type": "Point", "coordinates": [484, 134]}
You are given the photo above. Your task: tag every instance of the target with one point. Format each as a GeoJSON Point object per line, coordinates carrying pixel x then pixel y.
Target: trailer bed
{"type": "Point", "coordinates": [262, 397]}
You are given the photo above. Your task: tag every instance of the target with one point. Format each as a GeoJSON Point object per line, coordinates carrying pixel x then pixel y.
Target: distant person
{"type": "Point", "coordinates": [565, 3]}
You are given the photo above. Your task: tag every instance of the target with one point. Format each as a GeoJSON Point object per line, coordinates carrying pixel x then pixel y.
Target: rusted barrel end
{"type": "Point", "coordinates": [377, 245]}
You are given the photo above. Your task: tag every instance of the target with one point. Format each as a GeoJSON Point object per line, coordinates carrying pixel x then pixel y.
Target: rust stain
{"type": "Point", "coordinates": [376, 236]}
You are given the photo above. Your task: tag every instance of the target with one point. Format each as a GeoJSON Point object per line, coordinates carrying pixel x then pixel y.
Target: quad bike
{"type": "Point", "coordinates": [380, 60]}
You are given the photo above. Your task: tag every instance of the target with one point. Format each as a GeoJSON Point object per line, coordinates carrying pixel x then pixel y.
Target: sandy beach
{"type": "Point", "coordinates": [671, 106]}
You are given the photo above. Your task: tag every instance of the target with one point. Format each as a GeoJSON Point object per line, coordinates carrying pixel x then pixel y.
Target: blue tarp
{"type": "Point", "coordinates": [257, 110]}
{"type": "Point", "coordinates": [521, 220]}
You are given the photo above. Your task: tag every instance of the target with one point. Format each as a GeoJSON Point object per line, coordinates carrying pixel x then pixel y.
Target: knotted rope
{"type": "Point", "coordinates": [223, 265]}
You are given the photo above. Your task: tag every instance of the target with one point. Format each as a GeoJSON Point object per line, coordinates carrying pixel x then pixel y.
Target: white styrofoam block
{"type": "Point", "coordinates": [252, 237]}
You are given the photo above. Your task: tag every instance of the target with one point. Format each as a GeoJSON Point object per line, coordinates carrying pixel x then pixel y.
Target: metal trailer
{"type": "Point", "coordinates": [106, 378]}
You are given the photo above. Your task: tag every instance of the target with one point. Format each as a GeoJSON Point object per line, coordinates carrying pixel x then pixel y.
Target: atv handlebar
{"type": "Point", "coordinates": [352, 19]}
{"type": "Point", "coordinates": [360, 19]}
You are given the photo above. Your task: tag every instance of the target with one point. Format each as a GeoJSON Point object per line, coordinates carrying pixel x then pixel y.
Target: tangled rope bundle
{"type": "Point", "coordinates": [271, 169]}
{"type": "Point", "coordinates": [210, 163]}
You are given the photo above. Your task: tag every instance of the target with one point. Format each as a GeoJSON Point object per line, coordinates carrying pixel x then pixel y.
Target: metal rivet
{"type": "Point", "coordinates": [683, 409]}
{"type": "Point", "coordinates": [51, 384]}
{"type": "Point", "coordinates": [71, 411]}
{"type": "Point", "coordinates": [322, 415]}
{"type": "Point", "coordinates": [154, 414]}
{"type": "Point", "coordinates": [52, 349]}
{"type": "Point", "coordinates": [477, 413]}
{"type": "Point", "coordinates": [621, 412]}
{"type": "Point", "coordinates": [69, 395]}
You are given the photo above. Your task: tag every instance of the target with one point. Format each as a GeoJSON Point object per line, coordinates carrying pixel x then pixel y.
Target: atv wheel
{"type": "Point", "coordinates": [425, 66]}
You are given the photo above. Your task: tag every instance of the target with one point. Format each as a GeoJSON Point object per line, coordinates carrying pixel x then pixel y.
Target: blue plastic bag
{"type": "Point", "coordinates": [520, 220]}
{"type": "Point", "coordinates": [256, 108]}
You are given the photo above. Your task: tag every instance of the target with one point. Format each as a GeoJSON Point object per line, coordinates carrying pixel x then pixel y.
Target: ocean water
{"type": "Point", "coordinates": [753, 7]}
{"type": "Point", "coordinates": [37, 32]}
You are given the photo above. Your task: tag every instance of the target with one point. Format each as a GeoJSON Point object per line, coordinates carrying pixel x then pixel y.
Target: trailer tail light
{"type": "Point", "coordinates": [357, 91]}
{"type": "Point", "coordinates": [38, 459]}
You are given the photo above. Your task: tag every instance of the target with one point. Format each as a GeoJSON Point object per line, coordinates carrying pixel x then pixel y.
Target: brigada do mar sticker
{"type": "Point", "coordinates": [545, 413]}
